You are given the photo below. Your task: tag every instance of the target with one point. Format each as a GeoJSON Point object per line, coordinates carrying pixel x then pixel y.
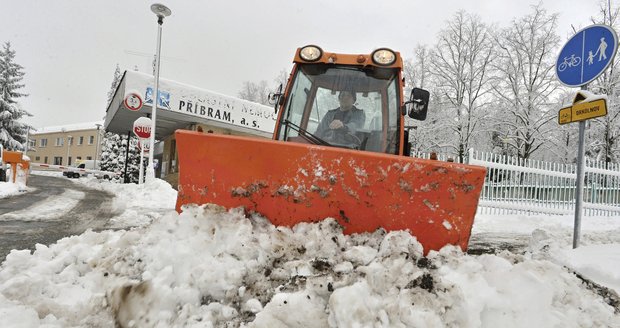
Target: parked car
{"type": "Point", "coordinates": [87, 164]}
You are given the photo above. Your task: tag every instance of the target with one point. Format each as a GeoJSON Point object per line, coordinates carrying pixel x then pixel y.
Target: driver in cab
{"type": "Point", "coordinates": [342, 121]}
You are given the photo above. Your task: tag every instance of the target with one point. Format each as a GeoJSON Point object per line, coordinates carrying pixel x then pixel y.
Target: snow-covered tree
{"type": "Point", "coordinates": [12, 131]}
{"type": "Point", "coordinates": [259, 91]}
{"type": "Point", "coordinates": [256, 92]}
{"type": "Point", "coordinates": [526, 81]}
{"type": "Point", "coordinates": [113, 152]}
{"type": "Point", "coordinates": [416, 70]}
{"type": "Point", "coordinates": [111, 149]}
{"type": "Point", "coordinates": [561, 142]}
{"type": "Point", "coordinates": [461, 66]}
{"type": "Point", "coordinates": [115, 81]}
{"type": "Point", "coordinates": [603, 134]}
{"type": "Point", "coordinates": [431, 134]}
{"type": "Point", "coordinates": [282, 78]}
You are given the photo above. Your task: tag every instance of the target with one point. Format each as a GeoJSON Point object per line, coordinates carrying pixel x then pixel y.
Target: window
{"type": "Point", "coordinates": [37, 158]}
{"type": "Point", "coordinates": [43, 143]}
{"type": "Point", "coordinates": [77, 158]}
{"type": "Point", "coordinates": [91, 140]}
{"type": "Point", "coordinates": [45, 161]}
{"type": "Point", "coordinates": [57, 160]}
{"type": "Point", "coordinates": [70, 140]}
{"type": "Point", "coordinates": [393, 117]}
{"type": "Point", "coordinates": [59, 142]}
{"type": "Point", "coordinates": [315, 93]}
{"type": "Point", "coordinates": [69, 161]}
{"type": "Point", "coordinates": [89, 158]}
{"type": "Point", "coordinates": [80, 141]}
{"type": "Point", "coordinates": [32, 143]}
{"type": "Point", "coordinates": [296, 105]}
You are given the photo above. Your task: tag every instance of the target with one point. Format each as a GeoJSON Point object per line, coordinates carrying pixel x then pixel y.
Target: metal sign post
{"type": "Point", "coordinates": [579, 185]}
{"type": "Point", "coordinates": [142, 129]}
{"type": "Point", "coordinates": [141, 175]}
{"type": "Point", "coordinates": [582, 59]}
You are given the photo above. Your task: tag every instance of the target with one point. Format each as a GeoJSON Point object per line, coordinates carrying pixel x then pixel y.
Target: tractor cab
{"type": "Point", "coordinates": [320, 91]}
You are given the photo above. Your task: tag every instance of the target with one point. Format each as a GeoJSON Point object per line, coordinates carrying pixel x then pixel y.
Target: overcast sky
{"type": "Point", "coordinates": [70, 48]}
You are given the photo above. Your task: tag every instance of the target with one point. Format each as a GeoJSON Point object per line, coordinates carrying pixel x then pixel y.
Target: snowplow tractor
{"type": "Point", "coordinates": [339, 150]}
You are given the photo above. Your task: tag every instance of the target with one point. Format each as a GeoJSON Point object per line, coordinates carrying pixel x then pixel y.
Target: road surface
{"type": "Point", "coordinates": [66, 209]}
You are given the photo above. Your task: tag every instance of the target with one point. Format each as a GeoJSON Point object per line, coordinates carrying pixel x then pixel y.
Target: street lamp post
{"type": "Point", "coordinates": [97, 146]}
{"type": "Point", "coordinates": [69, 139]}
{"type": "Point", "coordinates": [160, 11]}
{"type": "Point", "coordinates": [27, 148]}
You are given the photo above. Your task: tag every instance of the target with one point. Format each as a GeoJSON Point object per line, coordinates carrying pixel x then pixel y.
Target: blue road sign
{"type": "Point", "coordinates": [164, 98]}
{"type": "Point", "coordinates": [586, 55]}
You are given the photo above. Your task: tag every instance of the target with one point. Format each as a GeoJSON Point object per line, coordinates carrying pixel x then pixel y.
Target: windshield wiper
{"type": "Point", "coordinates": [307, 135]}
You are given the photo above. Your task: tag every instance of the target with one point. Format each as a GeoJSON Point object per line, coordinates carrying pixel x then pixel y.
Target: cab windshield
{"type": "Point", "coordinates": [343, 106]}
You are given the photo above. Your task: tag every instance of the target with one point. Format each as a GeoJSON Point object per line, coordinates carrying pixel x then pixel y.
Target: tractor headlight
{"type": "Point", "coordinates": [383, 57]}
{"type": "Point", "coordinates": [310, 53]}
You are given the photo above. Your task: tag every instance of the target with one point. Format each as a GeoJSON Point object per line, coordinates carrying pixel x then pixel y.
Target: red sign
{"type": "Point", "coordinates": [142, 127]}
{"type": "Point", "coordinates": [144, 143]}
{"type": "Point", "coordinates": [133, 101]}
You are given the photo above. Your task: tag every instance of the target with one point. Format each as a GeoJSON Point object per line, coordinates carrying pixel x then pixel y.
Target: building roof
{"type": "Point", "coordinates": [67, 128]}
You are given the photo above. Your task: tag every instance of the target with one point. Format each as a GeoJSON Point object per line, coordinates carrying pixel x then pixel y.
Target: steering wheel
{"type": "Point", "coordinates": [340, 137]}
{"type": "Point", "coordinates": [353, 138]}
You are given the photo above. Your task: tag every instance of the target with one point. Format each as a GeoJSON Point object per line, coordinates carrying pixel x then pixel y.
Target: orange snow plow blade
{"type": "Point", "coordinates": [291, 183]}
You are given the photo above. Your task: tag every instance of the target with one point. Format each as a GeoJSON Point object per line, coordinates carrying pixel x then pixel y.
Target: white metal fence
{"type": "Point", "coordinates": [515, 185]}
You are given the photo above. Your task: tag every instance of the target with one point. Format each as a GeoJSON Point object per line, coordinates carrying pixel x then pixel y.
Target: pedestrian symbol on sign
{"type": "Point", "coordinates": [601, 49]}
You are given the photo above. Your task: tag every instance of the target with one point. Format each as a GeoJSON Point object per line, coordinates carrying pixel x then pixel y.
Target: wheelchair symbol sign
{"type": "Point", "coordinates": [163, 99]}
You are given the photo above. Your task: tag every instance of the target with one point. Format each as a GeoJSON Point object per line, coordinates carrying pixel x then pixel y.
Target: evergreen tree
{"type": "Point", "coordinates": [113, 150]}
{"type": "Point", "coordinates": [12, 132]}
{"type": "Point", "coordinates": [115, 81]}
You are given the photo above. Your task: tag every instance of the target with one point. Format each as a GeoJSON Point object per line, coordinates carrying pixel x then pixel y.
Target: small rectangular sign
{"type": "Point", "coordinates": [565, 114]}
{"type": "Point", "coordinates": [586, 111]}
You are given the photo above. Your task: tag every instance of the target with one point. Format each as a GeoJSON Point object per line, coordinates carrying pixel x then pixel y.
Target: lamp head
{"type": "Point", "coordinates": [160, 10]}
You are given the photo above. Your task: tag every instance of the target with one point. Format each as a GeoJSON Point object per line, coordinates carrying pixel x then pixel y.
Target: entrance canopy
{"type": "Point", "coordinates": [180, 105]}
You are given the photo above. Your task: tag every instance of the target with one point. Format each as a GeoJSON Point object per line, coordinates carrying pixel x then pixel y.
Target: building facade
{"type": "Point", "coordinates": [64, 145]}
{"type": "Point", "coordinates": [186, 107]}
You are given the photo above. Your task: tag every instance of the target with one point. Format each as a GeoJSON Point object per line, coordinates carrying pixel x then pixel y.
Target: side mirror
{"type": "Point", "coordinates": [275, 98]}
{"type": "Point", "coordinates": [417, 106]}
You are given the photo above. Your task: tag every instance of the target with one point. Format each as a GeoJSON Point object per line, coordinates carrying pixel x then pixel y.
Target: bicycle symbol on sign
{"type": "Point", "coordinates": [569, 62]}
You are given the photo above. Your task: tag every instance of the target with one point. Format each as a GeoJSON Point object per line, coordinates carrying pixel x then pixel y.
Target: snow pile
{"type": "Point", "coordinates": [594, 261]}
{"type": "Point", "coordinates": [551, 238]}
{"type": "Point", "coordinates": [8, 189]}
{"type": "Point", "coordinates": [597, 262]}
{"type": "Point", "coordinates": [209, 267]}
{"type": "Point", "coordinates": [137, 205]}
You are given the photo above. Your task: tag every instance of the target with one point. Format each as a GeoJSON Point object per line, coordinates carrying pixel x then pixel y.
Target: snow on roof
{"type": "Point", "coordinates": [68, 127]}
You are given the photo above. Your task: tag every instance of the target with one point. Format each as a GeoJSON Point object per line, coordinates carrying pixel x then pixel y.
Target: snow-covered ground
{"type": "Point", "coordinates": [211, 267]}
